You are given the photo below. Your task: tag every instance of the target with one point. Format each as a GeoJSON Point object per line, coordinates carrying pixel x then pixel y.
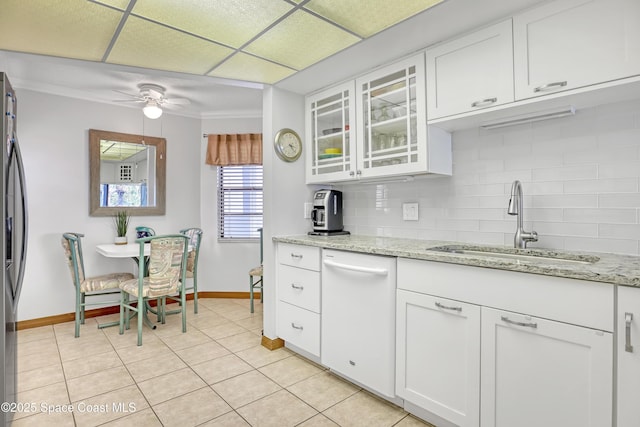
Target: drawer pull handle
{"type": "Point", "coordinates": [294, 326]}
{"type": "Point", "coordinates": [484, 102]}
{"type": "Point", "coordinates": [550, 86]}
{"type": "Point", "coordinates": [628, 318]}
{"type": "Point", "coordinates": [444, 307]}
{"type": "Point", "coordinates": [513, 322]}
{"type": "Point", "coordinates": [298, 287]}
{"type": "Point", "coordinates": [298, 256]}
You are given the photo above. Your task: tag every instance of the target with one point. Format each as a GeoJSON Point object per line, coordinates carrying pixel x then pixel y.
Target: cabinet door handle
{"type": "Point", "coordinates": [484, 102]}
{"type": "Point", "coordinates": [298, 256]}
{"type": "Point", "coordinates": [513, 322]}
{"type": "Point", "coordinates": [298, 287]}
{"type": "Point", "coordinates": [628, 318]}
{"type": "Point", "coordinates": [550, 86]}
{"type": "Point", "coordinates": [444, 307]}
{"type": "Point", "coordinates": [294, 326]}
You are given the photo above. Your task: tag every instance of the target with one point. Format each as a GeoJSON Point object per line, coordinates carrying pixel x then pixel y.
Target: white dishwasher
{"type": "Point", "coordinates": [358, 318]}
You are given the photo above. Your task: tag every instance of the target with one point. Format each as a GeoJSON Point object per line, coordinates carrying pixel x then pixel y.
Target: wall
{"type": "Point", "coordinates": [224, 266]}
{"type": "Point", "coordinates": [284, 189]}
{"type": "Point", "coordinates": [580, 178]}
{"type": "Point", "coordinates": [53, 132]}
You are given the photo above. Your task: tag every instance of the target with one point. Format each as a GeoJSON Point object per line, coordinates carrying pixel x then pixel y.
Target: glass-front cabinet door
{"type": "Point", "coordinates": [331, 135]}
{"type": "Point", "coordinates": [392, 120]}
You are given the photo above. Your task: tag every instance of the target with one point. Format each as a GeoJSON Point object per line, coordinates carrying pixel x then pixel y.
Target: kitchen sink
{"type": "Point", "coordinates": [517, 254]}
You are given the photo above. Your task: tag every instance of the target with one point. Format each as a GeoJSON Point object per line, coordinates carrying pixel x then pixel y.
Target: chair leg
{"type": "Point", "coordinates": [183, 300]}
{"type": "Point", "coordinates": [261, 289]}
{"type": "Point", "coordinates": [78, 314]}
{"type": "Point", "coordinates": [140, 318]}
{"type": "Point", "coordinates": [251, 292]}
{"type": "Point", "coordinates": [82, 305]}
{"type": "Point", "coordinates": [195, 294]}
{"type": "Point", "coordinates": [122, 312]}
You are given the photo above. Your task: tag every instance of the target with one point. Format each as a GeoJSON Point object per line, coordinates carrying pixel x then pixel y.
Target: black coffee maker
{"type": "Point", "coordinates": [327, 213]}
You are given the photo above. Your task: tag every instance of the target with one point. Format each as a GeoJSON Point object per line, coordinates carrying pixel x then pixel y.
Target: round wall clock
{"type": "Point", "coordinates": [288, 145]}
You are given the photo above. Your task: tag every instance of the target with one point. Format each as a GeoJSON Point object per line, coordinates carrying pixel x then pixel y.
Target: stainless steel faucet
{"type": "Point", "coordinates": [515, 208]}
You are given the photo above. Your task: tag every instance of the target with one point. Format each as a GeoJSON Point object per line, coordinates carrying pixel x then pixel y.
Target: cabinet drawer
{"type": "Point", "coordinates": [579, 302]}
{"type": "Point", "coordinates": [299, 256]}
{"type": "Point", "coordinates": [299, 327]}
{"type": "Point", "coordinates": [299, 287]}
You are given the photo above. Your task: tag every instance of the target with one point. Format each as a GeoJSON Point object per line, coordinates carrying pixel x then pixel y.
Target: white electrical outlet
{"type": "Point", "coordinates": [410, 211]}
{"type": "Point", "coordinates": [307, 210]}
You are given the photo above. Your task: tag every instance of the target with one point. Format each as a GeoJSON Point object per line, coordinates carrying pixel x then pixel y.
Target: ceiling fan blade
{"type": "Point", "coordinates": [172, 106]}
{"type": "Point", "coordinates": [154, 93]}
{"type": "Point", "coordinates": [130, 100]}
{"type": "Point", "coordinates": [177, 101]}
{"type": "Point", "coordinates": [128, 94]}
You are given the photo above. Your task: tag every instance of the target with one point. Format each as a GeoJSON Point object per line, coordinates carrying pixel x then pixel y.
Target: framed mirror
{"type": "Point", "coordinates": [126, 172]}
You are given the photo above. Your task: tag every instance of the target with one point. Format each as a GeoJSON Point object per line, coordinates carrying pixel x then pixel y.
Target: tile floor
{"type": "Point", "coordinates": [216, 374]}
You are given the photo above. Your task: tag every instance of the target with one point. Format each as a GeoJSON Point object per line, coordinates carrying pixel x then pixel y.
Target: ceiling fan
{"type": "Point", "coordinates": [152, 96]}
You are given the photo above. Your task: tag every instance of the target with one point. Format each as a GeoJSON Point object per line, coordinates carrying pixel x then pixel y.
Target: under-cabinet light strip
{"type": "Point", "coordinates": [529, 118]}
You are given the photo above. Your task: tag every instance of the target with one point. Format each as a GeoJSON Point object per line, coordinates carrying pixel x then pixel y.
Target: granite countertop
{"type": "Point", "coordinates": [609, 268]}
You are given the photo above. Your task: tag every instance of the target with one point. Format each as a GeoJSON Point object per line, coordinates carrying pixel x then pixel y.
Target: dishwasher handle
{"type": "Point", "coordinates": [360, 269]}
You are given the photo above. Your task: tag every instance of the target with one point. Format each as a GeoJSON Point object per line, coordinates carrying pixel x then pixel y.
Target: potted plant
{"type": "Point", "coordinates": [121, 221]}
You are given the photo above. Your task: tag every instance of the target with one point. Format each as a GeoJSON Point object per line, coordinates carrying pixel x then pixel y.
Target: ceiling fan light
{"type": "Point", "coordinates": [151, 110]}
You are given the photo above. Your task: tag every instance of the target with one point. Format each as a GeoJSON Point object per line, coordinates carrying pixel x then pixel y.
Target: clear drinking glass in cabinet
{"type": "Point", "coordinates": [331, 134]}
{"type": "Point", "coordinates": [390, 119]}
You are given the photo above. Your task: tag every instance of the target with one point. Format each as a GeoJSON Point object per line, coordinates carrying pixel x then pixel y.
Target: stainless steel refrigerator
{"type": "Point", "coordinates": [14, 238]}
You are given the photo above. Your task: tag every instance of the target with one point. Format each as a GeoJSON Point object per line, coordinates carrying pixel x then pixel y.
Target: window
{"type": "Point", "coordinates": [125, 195]}
{"type": "Point", "coordinates": [239, 202]}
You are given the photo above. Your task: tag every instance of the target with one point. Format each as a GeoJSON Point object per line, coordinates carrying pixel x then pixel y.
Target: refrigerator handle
{"type": "Point", "coordinates": [25, 219]}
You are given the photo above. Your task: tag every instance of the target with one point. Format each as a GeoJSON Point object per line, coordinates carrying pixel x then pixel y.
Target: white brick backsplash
{"type": "Point", "coordinates": [613, 216]}
{"type": "Point", "coordinates": [623, 185]}
{"type": "Point", "coordinates": [623, 169]}
{"type": "Point", "coordinates": [580, 177]}
{"type": "Point", "coordinates": [602, 155]}
{"type": "Point", "coordinates": [619, 231]}
{"type": "Point", "coordinates": [564, 200]}
{"type": "Point", "coordinates": [566, 173]}
{"type": "Point", "coordinates": [624, 200]}
{"type": "Point", "coordinates": [564, 229]}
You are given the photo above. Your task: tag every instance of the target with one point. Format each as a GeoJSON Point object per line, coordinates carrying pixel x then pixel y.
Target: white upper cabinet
{"type": "Point", "coordinates": [375, 127]}
{"type": "Point", "coordinates": [392, 121]}
{"type": "Point", "coordinates": [569, 44]}
{"type": "Point", "coordinates": [330, 117]}
{"type": "Point", "coordinates": [470, 73]}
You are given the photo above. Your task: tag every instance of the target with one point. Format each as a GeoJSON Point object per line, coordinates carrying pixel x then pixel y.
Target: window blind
{"type": "Point", "coordinates": [240, 201]}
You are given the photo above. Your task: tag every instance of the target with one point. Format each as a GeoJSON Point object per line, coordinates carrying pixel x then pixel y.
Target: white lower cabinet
{"type": "Point", "coordinates": [298, 290]}
{"type": "Point", "coordinates": [437, 345]}
{"type": "Point", "coordinates": [466, 353]}
{"type": "Point", "coordinates": [538, 372]}
{"type": "Point", "coordinates": [628, 346]}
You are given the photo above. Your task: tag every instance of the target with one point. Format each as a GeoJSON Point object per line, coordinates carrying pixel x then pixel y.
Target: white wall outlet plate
{"type": "Point", "coordinates": [410, 211]}
{"type": "Point", "coordinates": [308, 206]}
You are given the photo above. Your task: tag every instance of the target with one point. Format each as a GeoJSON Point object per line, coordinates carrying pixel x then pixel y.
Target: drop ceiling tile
{"type": "Point", "coordinates": [300, 40]}
{"type": "Point", "coordinates": [367, 17]}
{"type": "Point", "coordinates": [119, 4]}
{"type": "Point", "coordinates": [145, 44]}
{"type": "Point", "coordinates": [230, 22]}
{"type": "Point", "coordinates": [242, 66]}
{"type": "Point", "coordinates": [72, 28]}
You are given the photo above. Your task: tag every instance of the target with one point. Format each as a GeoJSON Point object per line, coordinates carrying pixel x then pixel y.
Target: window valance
{"type": "Point", "coordinates": [234, 149]}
